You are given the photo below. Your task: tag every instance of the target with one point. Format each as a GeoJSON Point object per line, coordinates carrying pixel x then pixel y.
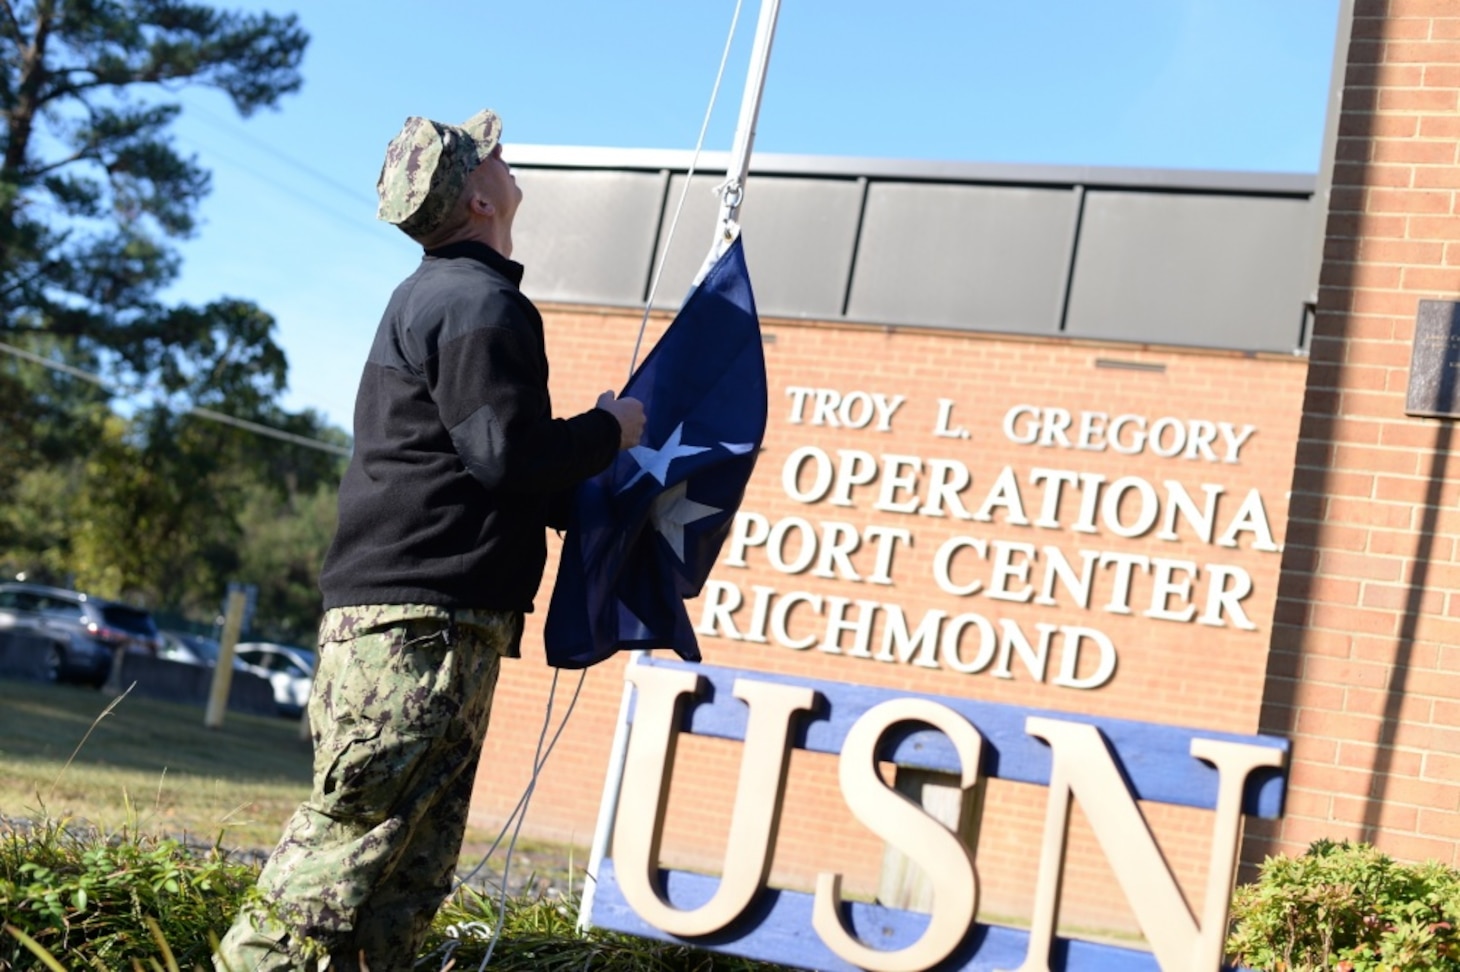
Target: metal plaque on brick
{"type": "Point", "coordinates": [1434, 364]}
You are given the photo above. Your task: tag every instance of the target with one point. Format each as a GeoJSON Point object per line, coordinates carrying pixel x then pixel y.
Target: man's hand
{"type": "Point", "coordinates": [630, 415]}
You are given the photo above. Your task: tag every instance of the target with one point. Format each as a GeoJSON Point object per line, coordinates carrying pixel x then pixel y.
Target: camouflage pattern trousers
{"type": "Point", "coordinates": [399, 711]}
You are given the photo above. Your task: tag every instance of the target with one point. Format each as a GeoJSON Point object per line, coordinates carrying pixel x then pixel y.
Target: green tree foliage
{"type": "Point", "coordinates": [166, 510]}
{"type": "Point", "coordinates": [283, 542]}
{"type": "Point", "coordinates": [149, 502]}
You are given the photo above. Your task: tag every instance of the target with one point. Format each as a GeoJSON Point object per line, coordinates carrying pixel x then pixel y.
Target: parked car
{"type": "Point", "coordinates": [290, 671]}
{"type": "Point", "coordinates": [192, 649]}
{"type": "Point", "coordinates": [76, 633]}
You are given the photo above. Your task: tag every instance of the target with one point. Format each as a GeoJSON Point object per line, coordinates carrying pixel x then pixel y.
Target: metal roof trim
{"type": "Point", "coordinates": [1300, 184]}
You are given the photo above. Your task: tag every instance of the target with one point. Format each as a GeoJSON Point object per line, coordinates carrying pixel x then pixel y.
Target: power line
{"type": "Point", "coordinates": [194, 410]}
{"type": "Point", "coordinates": [222, 124]}
{"type": "Point", "coordinates": [354, 223]}
{"type": "Point", "coordinates": [352, 220]}
{"type": "Point", "coordinates": [321, 445]}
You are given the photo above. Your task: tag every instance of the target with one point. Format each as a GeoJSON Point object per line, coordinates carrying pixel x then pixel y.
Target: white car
{"type": "Point", "coordinates": [290, 671]}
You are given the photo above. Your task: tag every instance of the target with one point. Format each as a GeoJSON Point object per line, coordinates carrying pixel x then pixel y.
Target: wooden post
{"type": "Point", "coordinates": [113, 686]}
{"type": "Point", "coordinates": [223, 671]}
{"type": "Point", "coordinates": [903, 885]}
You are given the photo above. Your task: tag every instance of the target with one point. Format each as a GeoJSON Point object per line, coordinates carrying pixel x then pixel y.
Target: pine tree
{"type": "Point", "coordinates": [92, 188]}
{"type": "Point", "coordinates": [143, 501]}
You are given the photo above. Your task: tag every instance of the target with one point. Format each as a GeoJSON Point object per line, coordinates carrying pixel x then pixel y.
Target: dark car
{"type": "Point", "coordinates": [73, 634]}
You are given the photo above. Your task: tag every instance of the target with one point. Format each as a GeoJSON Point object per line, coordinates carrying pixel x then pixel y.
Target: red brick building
{"type": "Point", "coordinates": [1033, 434]}
{"type": "Point", "coordinates": [1364, 667]}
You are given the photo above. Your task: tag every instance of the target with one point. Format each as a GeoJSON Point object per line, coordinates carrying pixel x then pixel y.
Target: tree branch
{"type": "Point", "coordinates": [40, 272]}
{"type": "Point", "coordinates": [134, 75]}
{"type": "Point", "coordinates": [62, 163]}
{"type": "Point", "coordinates": [68, 88]}
{"type": "Point", "coordinates": [10, 24]}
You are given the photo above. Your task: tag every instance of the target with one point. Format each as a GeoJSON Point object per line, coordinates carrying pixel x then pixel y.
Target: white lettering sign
{"type": "Point", "coordinates": [994, 568]}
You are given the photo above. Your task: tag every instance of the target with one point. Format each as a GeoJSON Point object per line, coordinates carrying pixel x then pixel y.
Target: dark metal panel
{"type": "Point", "coordinates": [970, 257]}
{"type": "Point", "coordinates": [799, 235]}
{"type": "Point", "coordinates": [1208, 271]}
{"type": "Point", "coordinates": [586, 236]}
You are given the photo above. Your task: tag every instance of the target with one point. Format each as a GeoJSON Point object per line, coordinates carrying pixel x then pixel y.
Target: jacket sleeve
{"type": "Point", "coordinates": [559, 512]}
{"type": "Point", "coordinates": [488, 379]}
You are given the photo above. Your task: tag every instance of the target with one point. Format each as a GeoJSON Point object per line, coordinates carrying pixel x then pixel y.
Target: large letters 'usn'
{"type": "Point", "coordinates": [1080, 758]}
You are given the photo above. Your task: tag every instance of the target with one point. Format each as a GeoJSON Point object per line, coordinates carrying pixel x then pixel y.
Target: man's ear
{"type": "Point", "coordinates": [482, 206]}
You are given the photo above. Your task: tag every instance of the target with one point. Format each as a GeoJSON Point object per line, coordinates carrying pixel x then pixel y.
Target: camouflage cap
{"type": "Point", "coordinates": [426, 166]}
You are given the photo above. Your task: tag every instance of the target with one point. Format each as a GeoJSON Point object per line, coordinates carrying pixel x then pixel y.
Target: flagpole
{"type": "Point", "coordinates": [727, 227]}
{"type": "Point", "coordinates": [732, 190]}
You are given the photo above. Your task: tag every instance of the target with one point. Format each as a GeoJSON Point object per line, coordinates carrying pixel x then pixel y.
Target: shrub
{"type": "Point", "coordinates": [92, 901]}
{"type": "Point", "coordinates": [89, 897]}
{"type": "Point", "coordinates": [1345, 906]}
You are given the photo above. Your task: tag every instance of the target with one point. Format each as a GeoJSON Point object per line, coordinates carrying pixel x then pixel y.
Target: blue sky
{"type": "Point", "coordinates": [1205, 84]}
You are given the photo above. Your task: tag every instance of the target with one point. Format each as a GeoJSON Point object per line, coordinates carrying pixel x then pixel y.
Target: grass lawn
{"type": "Point", "coordinates": [148, 765]}
{"type": "Point", "coordinates": [150, 769]}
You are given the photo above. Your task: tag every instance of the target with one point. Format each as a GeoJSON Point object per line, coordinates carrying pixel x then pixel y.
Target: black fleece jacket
{"type": "Point", "coordinates": [458, 458]}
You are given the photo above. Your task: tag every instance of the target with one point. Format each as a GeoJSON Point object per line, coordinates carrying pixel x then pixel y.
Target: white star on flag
{"type": "Point", "coordinates": [673, 511]}
{"type": "Point", "coordinates": [655, 462]}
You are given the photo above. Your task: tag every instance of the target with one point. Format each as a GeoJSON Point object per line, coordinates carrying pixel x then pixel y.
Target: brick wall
{"type": "Point", "coordinates": [1364, 669]}
{"type": "Point", "coordinates": [1181, 672]}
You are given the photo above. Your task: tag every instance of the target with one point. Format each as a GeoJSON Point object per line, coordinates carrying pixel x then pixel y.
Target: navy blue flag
{"type": "Point", "coordinates": [646, 531]}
